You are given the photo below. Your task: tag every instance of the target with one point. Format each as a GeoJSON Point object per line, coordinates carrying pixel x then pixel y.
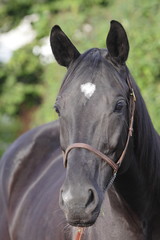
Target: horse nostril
{"type": "Point", "coordinates": [61, 201]}
{"type": "Point", "coordinates": [85, 201]}
{"type": "Point", "coordinates": [90, 198]}
{"type": "Point", "coordinates": [92, 201]}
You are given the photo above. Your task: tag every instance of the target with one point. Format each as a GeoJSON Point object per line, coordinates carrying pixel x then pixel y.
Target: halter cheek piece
{"type": "Point", "coordinates": [99, 154]}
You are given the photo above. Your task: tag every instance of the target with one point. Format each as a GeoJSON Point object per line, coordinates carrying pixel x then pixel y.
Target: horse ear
{"type": "Point", "coordinates": [62, 48]}
{"type": "Point", "coordinates": [117, 42]}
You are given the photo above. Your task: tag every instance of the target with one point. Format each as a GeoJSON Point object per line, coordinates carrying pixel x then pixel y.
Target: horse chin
{"type": "Point", "coordinates": [83, 222]}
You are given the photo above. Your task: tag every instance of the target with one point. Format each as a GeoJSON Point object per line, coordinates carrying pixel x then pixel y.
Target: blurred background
{"type": "Point", "coordinates": [30, 77]}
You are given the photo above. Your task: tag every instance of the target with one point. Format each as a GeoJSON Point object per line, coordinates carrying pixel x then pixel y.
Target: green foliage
{"type": "Point", "coordinates": [52, 76]}
{"type": "Point", "coordinates": [11, 12]}
{"type": "Point", "coordinates": [26, 83]}
{"type": "Point", "coordinates": [21, 82]}
{"type": "Point", "coordinates": [9, 127]}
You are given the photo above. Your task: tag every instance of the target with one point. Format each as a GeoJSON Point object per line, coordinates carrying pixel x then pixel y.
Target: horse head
{"type": "Point", "coordinates": [93, 105]}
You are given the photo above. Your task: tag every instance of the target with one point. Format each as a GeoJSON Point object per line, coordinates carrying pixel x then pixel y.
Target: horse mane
{"type": "Point", "coordinates": [146, 144]}
{"type": "Point", "coordinates": [87, 64]}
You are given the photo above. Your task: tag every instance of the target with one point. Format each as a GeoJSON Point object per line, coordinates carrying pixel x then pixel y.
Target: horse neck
{"type": "Point", "coordinates": [140, 184]}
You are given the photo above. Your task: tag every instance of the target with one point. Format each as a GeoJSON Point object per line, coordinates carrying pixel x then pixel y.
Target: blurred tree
{"type": "Point", "coordinates": [28, 86]}
{"type": "Point", "coordinates": [20, 82]}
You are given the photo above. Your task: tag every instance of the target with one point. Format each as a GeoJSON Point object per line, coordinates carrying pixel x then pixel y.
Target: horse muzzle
{"type": "Point", "coordinates": [81, 206]}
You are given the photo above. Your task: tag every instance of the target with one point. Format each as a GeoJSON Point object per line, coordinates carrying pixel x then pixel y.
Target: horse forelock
{"type": "Point", "coordinates": [95, 64]}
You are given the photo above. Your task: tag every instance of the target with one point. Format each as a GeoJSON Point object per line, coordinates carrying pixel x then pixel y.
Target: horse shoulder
{"type": "Point", "coordinates": [31, 164]}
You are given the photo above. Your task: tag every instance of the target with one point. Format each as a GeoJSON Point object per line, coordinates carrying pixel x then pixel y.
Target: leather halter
{"type": "Point", "coordinates": [110, 162]}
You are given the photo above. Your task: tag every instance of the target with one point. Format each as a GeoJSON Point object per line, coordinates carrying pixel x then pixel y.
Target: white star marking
{"type": "Point", "coordinates": [88, 89]}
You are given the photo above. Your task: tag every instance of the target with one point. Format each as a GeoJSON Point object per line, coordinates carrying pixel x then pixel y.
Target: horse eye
{"type": "Point", "coordinates": [119, 106]}
{"type": "Point", "coordinates": [57, 110]}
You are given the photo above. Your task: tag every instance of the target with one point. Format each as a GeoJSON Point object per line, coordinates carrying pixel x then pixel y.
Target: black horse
{"type": "Point", "coordinates": [105, 130]}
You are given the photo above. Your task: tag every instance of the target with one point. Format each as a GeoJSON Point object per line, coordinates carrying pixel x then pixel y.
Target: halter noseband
{"type": "Point", "coordinates": [110, 162]}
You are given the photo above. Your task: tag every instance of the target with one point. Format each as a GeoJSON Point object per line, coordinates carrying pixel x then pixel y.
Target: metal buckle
{"type": "Point", "coordinates": [133, 94]}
